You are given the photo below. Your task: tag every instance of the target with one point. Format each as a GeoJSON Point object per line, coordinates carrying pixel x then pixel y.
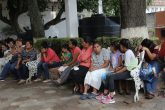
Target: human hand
{"type": "Point", "coordinates": [140, 48]}
{"type": "Point", "coordinates": [111, 69]}
{"type": "Point", "coordinates": [144, 48]}
{"type": "Point", "coordinates": [50, 62]}
{"type": "Point", "coordinates": [65, 65]}
{"type": "Point", "coordinates": [93, 68]}
{"type": "Point", "coordinates": [23, 62]}
{"type": "Point", "coordinates": [17, 67]}
{"type": "Point", "coordinates": [117, 69]}
{"type": "Point", "coordinates": [155, 75]}
{"type": "Point", "coordinates": [163, 69]}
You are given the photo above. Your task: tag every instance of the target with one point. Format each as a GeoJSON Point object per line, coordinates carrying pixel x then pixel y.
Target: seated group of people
{"type": "Point", "coordinates": [89, 67]}
{"type": "Point", "coordinates": [15, 58]}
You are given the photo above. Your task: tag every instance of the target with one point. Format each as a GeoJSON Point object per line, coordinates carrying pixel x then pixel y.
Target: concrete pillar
{"type": "Point", "coordinates": [71, 18]}
{"type": "Point", "coordinates": [100, 7]}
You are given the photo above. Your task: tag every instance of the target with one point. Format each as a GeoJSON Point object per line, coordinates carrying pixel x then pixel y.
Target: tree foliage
{"type": "Point", "coordinates": [110, 7]}
{"type": "Point", "coordinates": [17, 7]}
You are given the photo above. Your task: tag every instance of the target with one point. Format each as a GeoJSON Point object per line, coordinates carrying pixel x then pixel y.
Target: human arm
{"type": "Point", "coordinates": [47, 56]}
{"type": "Point", "coordinates": [65, 57]}
{"type": "Point", "coordinates": [74, 60]}
{"type": "Point", "coordinates": [123, 69]}
{"type": "Point", "coordinates": [152, 56]}
{"type": "Point", "coordinates": [120, 64]}
{"type": "Point", "coordinates": [19, 61]}
{"type": "Point", "coordinates": [86, 56]}
{"type": "Point", "coordinates": [154, 72]}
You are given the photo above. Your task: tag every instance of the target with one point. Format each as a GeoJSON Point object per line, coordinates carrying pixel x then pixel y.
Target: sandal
{"type": "Point", "coordinates": [84, 97]}
{"type": "Point", "coordinates": [75, 91]}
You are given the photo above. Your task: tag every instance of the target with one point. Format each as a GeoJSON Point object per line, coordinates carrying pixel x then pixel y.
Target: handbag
{"type": "Point", "coordinates": [146, 73]}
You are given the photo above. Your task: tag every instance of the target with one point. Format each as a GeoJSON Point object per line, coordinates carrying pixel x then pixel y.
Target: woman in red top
{"type": "Point", "coordinates": [49, 59]}
{"type": "Point", "coordinates": [84, 59]}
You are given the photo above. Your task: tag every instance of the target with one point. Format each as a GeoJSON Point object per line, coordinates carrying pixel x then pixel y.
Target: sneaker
{"type": "Point", "coordinates": [84, 97]}
{"type": "Point", "coordinates": [2, 79]}
{"type": "Point", "coordinates": [21, 81]}
{"type": "Point", "coordinates": [38, 80]}
{"type": "Point", "coordinates": [92, 96]}
{"type": "Point", "coordinates": [108, 100]}
{"type": "Point", "coordinates": [46, 81]}
{"type": "Point", "coordinates": [58, 81]}
{"type": "Point", "coordinates": [101, 97]}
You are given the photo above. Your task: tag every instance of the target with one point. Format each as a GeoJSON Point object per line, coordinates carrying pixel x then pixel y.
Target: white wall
{"type": "Point", "coordinates": [152, 9]}
{"type": "Point", "coordinates": [57, 30]}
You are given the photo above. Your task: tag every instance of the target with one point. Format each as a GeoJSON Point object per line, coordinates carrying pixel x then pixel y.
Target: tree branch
{"type": "Point", "coordinates": [58, 18]}
{"type": "Point", "coordinates": [2, 18]}
{"type": "Point", "coordinates": [5, 20]}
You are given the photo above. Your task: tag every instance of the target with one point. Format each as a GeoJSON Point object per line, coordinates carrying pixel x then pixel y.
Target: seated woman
{"type": "Point", "coordinates": [115, 57]}
{"type": "Point", "coordinates": [99, 66]}
{"type": "Point", "coordinates": [6, 53]}
{"type": "Point", "coordinates": [84, 59]}
{"type": "Point", "coordinates": [28, 54]}
{"type": "Point", "coordinates": [16, 50]}
{"type": "Point", "coordinates": [65, 58]}
{"type": "Point", "coordinates": [75, 50]}
{"type": "Point", "coordinates": [116, 62]}
{"type": "Point", "coordinates": [4, 49]}
{"type": "Point", "coordinates": [49, 59]}
{"type": "Point", "coordinates": [66, 54]}
{"type": "Point", "coordinates": [120, 74]}
{"type": "Point", "coordinates": [151, 55]}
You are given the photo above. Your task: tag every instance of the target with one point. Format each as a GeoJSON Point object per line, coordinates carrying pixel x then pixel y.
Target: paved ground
{"type": "Point", "coordinates": [39, 96]}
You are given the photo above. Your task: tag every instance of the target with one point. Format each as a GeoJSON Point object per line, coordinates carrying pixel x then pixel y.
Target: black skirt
{"type": "Point", "coordinates": [78, 76]}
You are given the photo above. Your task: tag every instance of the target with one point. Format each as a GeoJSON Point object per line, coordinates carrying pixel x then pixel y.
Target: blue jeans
{"type": "Point", "coordinates": [151, 86]}
{"type": "Point", "coordinates": [7, 68]}
{"type": "Point", "coordinates": [43, 69]}
{"type": "Point", "coordinates": [110, 80]}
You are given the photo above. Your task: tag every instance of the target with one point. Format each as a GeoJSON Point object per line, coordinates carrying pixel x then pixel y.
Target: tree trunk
{"type": "Point", "coordinates": [133, 19]}
{"type": "Point", "coordinates": [35, 19]}
{"type": "Point", "coordinates": [15, 24]}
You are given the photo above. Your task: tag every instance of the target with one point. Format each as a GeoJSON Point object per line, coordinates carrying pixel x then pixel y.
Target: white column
{"type": "Point", "coordinates": [100, 7]}
{"type": "Point", "coordinates": [71, 18]}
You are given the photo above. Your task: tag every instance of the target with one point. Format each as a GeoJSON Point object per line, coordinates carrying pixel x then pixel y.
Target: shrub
{"type": "Point", "coordinates": [56, 43]}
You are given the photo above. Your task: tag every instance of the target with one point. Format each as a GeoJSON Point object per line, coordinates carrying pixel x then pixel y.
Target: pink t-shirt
{"type": "Point", "coordinates": [85, 57]}
{"type": "Point", "coordinates": [51, 56]}
{"type": "Point", "coordinates": [76, 50]}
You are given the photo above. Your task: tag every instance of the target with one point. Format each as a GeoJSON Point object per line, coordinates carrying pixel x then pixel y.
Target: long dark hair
{"type": "Point", "coordinates": [115, 45]}
{"type": "Point", "coordinates": [87, 39]}
{"type": "Point", "coordinates": [149, 44]}
{"type": "Point", "coordinates": [125, 43]}
{"type": "Point", "coordinates": [74, 42]}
